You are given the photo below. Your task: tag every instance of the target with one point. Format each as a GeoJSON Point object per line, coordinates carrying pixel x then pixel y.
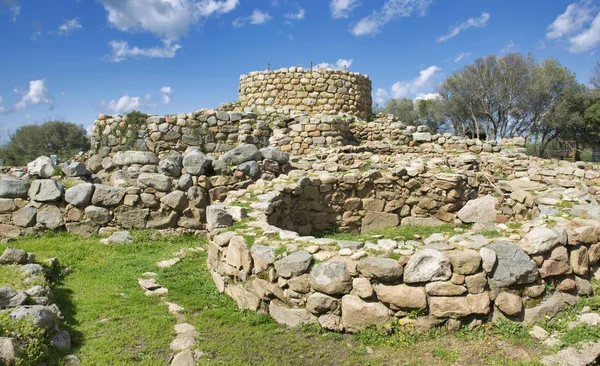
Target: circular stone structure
{"type": "Point", "coordinates": [309, 91]}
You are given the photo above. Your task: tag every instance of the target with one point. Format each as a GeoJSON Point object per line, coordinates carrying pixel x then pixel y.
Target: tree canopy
{"type": "Point", "coordinates": [60, 138]}
{"type": "Point", "coordinates": [508, 96]}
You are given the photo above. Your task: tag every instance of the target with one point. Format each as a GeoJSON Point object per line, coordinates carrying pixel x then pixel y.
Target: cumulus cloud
{"type": "Point", "coordinates": [428, 96]}
{"type": "Point", "coordinates": [166, 19]}
{"type": "Point", "coordinates": [391, 10]}
{"type": "Point", "coordinates": [296, 16]}
{"type": "Point", "coordinates": [587, 39]}
{"type": "Point", "coordinates": [575, 17]}
{"type": "Point", "coordinates": [69, 26]}
{"type": "Point", "coordinates": [35, 35]}
{"type": "Point", "coordinates": [166, 92]}
{"type": "Point", "coordinates": [342, 8]}
{"type": "Point", "coordinates": [579, 26]}
{"type": "Point", "coordinates": [461, 56]}
{"type": "Point", "coordinates": [469, 23]}
{"type": "Point", "coordinates": [416, 86]}
{"type": "Point", "coordinates": [122, 51]}
{"type": "Point", "coordinates": [122, 105]}
{"type": "Point", "coordinates": [37, 94]}
{"type": "Point", "coordinates": [381, 95]}
{"type": "Point", "coordinates": [257, 17]}
{"type": "Point", "coordinates": [340, 64]}
{"type": "Point", "coordinates": [3, 109]}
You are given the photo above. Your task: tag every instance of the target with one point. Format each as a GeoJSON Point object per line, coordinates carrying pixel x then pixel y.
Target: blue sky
{"type": "Point", "coordinates": [74, 59]}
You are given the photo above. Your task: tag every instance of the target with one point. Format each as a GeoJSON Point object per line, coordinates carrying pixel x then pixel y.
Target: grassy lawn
{"type": "Point", "coordinates": [112, 322]}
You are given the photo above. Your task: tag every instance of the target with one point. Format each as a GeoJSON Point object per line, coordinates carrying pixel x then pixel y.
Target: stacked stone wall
{"type": "Point", "coordinates": [348, 285]}
{"type": "Point", "coordinates": [307, 91]}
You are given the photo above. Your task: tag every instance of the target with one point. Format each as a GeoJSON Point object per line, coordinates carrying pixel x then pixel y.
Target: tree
{"type": "Point", "coordinates": [417, 112]}
{"type": "Point", "coordinates": [59, 138]}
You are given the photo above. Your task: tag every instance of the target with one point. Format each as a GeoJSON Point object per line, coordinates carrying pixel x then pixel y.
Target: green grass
{"type": "Point", "coordinates": [491, 234]}
{"type": "Point", "coordinates": [445, 354]}
{"type": "Point", "coordinates": [111, 322]}
{"type": "Point", "coordinates": [13, 277]}
{"type": "Point", "coordinates": [109, 318]}
{"type": "Point", "coordinates": [407, 232]}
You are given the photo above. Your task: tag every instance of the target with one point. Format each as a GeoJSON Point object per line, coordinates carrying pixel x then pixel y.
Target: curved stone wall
{"type": "Point", "coordinates": [299, 90]}
{"type": "Point", "coordinates": [343, 285]}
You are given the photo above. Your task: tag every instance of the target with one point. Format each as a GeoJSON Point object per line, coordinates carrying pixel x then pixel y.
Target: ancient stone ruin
{"type": "Point", "coordinates": [266, 177]}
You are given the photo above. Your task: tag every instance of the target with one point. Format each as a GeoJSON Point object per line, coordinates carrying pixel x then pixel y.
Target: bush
{"type": "Point", "coordinates": [30, 339]}
{"type": "Point", "coordinates": [60, 138]}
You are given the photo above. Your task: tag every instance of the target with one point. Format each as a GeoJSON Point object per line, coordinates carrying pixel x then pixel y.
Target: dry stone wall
{"type": "Point", "coordinates": [345, 285]}
{"type": "Point", "coordinates": [307, 91]}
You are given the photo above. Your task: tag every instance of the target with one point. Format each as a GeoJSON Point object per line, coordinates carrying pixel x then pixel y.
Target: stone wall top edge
{"type": "Point", "coordinates": [302, 70]}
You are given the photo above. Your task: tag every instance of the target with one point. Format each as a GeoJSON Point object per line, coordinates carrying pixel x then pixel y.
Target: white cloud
{"type": "Point", "coordinates": [257, 17]}
{"type": "Point", "coordinates": [342, 8]}
{"type": "Point", "coordinates": [15, 10]}
{"type": "Point", "coordinates": [166, 19]}
{"type": "Point", "coordinates": [391, 10]}
{"type": "Point", "coordinates": [37, 94]}
{"type": "Point", "coordinates": [572, 20]}
{"type": "Point", "coordinates": [510, 46]}
{"type": "Point", "coordinates": [469, 23]}
{"type": "Point", "coordinates": [461, 56]}
{"type": "Point", "coordinates": [587, 39]}
{"type": "Point", "coordinates": [340, 64]}
{"type": "Point", "coordinates": [296, 16]}
{"type": "Point", "coordinates": [291, 37]}
{"type": "Point", "coordinates": [3, 110]}
{"type": "Point", "coordinates": [416, 86]}
{"type": "Point", "coordinates": [35, 35]}
{"type": "Point", "coordinates": [167, 93]}
{"type": "Point", "coordinates": [122, 105]}
{"type": "Point", "coordinates": [121, 51]}
{"type": "Point", "coordinates": [381, 95]}
{"type": "Point", "coordinates": [69, 26]}
{"type": "Point", "coordinates": [579, 26]}
{"type": "Point", "coordinates": [428, 96]}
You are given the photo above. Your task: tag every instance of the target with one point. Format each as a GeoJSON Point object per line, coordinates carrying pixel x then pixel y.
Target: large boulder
{"type": "Point", "coordinates": [263, 256]}
{"type": "Point", "coordinates": [196, 163]}
{"type": "Point", "coordinates": [13, 188]}
{"type": "Point", "coordinates": [84, 228]}
{"type": "Point", "coordinates": [176, 200]}
{"type": "Point", "coordinates": [51, 217]}
{"type": "Point", "coordinates": [42, 167]}
{"type": "Point", "coordinates": [374, 221]}
{"type": "Point", "coordinates": [99, 215]}
{"type": "Point", "coordinates": [160, 182]}
{"type": "Point", "coordinates": [241, 154]}
{"type": "Point", "coordinates": [75, 169]}
{"type": "Point", "coordinates": [218, 217]}
{"type": "Point", "coordinates": [80, 195]}
{"type": "Point", "coordinates": [539, 240]}
{"type": "Point", "coordinates": [250, 169]}
{"type": "Point", "coordinates": [318, 303]}
{"type": "Point", "coordinates": [25, 217]}
{"type": "Point", "coordinates": [294, 264]}
{"type": "Point", "coordinates": [13, 255]}
{"type": "Point", "coordinates": [381, 269]}
{"type": "Point", "coordinates": [9, 231]}
{"type": "Point", "coordinates": [402, 296]}
{"type": "Point", "coordinates": [107, 196]}
{"type": "Point", "coordinates": [171, 165]}
{"type": "Point", "coordinates": [131, 217]}
{"type": "Point", "coordinates": [290, 317]}
{"type": "Point", "coordinates": [41, 316]}
{"type": "Point", "coordinates": [331, 277]}
{"type": "Point", "coordinates": [427, 265]}
{"type": "Point", "coordinates": [46, 190]}
{"type": "Point", "coordinates": [421, 137]}
{"type": "Point", "coordinates": [357, 313]}
{"type": "Point", "coordinates": [548, 308]}
{"type": "Point", "coordinates": [513, 266]}
{"type": "Point", "coordinates": [480, 210]}
{"type": "Point", "coordinates": [275, 154]}
{"type": "Point", "coordinates": [126, 158]}
{"type": "Point", "coordinates": [459, 306]}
